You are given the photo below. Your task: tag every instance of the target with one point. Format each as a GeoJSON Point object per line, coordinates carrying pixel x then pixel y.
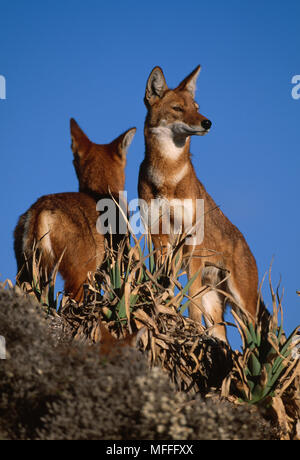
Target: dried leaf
{"type": "Point", "coordinates": [281, 418]}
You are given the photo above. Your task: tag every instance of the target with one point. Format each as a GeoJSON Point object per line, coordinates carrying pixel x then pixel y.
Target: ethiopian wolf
{"type": "Point", "coordinates": [167, 174]}
{"type": "Point", "coordinates": [65, 223]}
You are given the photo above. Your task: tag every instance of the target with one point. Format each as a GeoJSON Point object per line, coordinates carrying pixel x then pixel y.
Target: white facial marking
{"type": "Point", "coordinates": [164, 137]}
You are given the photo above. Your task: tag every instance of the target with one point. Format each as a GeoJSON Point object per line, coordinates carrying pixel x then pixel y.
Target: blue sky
{"type": "Point", "coordinates": [90, 60]}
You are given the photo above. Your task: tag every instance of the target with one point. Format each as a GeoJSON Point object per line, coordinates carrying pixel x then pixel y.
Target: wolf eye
{"type": "Point", "coordinates": [177, 108]}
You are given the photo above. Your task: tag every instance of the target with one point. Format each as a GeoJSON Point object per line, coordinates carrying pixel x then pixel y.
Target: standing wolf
{"type": "Point", "coordinates": [167, 174]}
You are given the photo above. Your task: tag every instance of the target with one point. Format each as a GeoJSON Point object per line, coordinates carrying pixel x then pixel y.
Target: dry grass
{"type": "Point", "coordinates": [132, 297]}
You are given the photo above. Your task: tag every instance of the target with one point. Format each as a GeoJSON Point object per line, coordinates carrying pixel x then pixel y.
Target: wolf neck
{"type": "Point", "coordinates": [162, 147]}
{"type": "Point", "coordinates": [97, 193]}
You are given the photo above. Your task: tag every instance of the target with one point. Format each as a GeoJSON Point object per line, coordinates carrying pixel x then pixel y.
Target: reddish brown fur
{"type": "Point", "coordinates": [110, 346]}
{"type": "Point", "coordinates": [223, 246]}
{"type": "Point", "coordinates": [67, 221]}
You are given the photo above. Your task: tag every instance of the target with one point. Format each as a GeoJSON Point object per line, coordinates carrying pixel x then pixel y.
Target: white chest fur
{"type": "Point", "coordinates": [158, 178]}
{"type": "Point", "coordinates": [165, 140]}
{"type": "Point", "coordinates": [175, 215]}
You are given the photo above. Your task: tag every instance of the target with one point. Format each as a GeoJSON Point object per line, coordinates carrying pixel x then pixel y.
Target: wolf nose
{"type": "Point", "coordinates": [206, 124]}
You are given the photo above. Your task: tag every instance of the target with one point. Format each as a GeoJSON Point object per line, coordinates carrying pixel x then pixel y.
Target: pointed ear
{"type": "Point", "coordinates": [189, 83]}
{"type": "Point", "coordinates": [123, 142]}
{"type": "Point", "coordinates": [127, 139]}
{"type": "Point", "coordinates": [80, 142]}
{"type": "Point", "coordinates": [156, 86]}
